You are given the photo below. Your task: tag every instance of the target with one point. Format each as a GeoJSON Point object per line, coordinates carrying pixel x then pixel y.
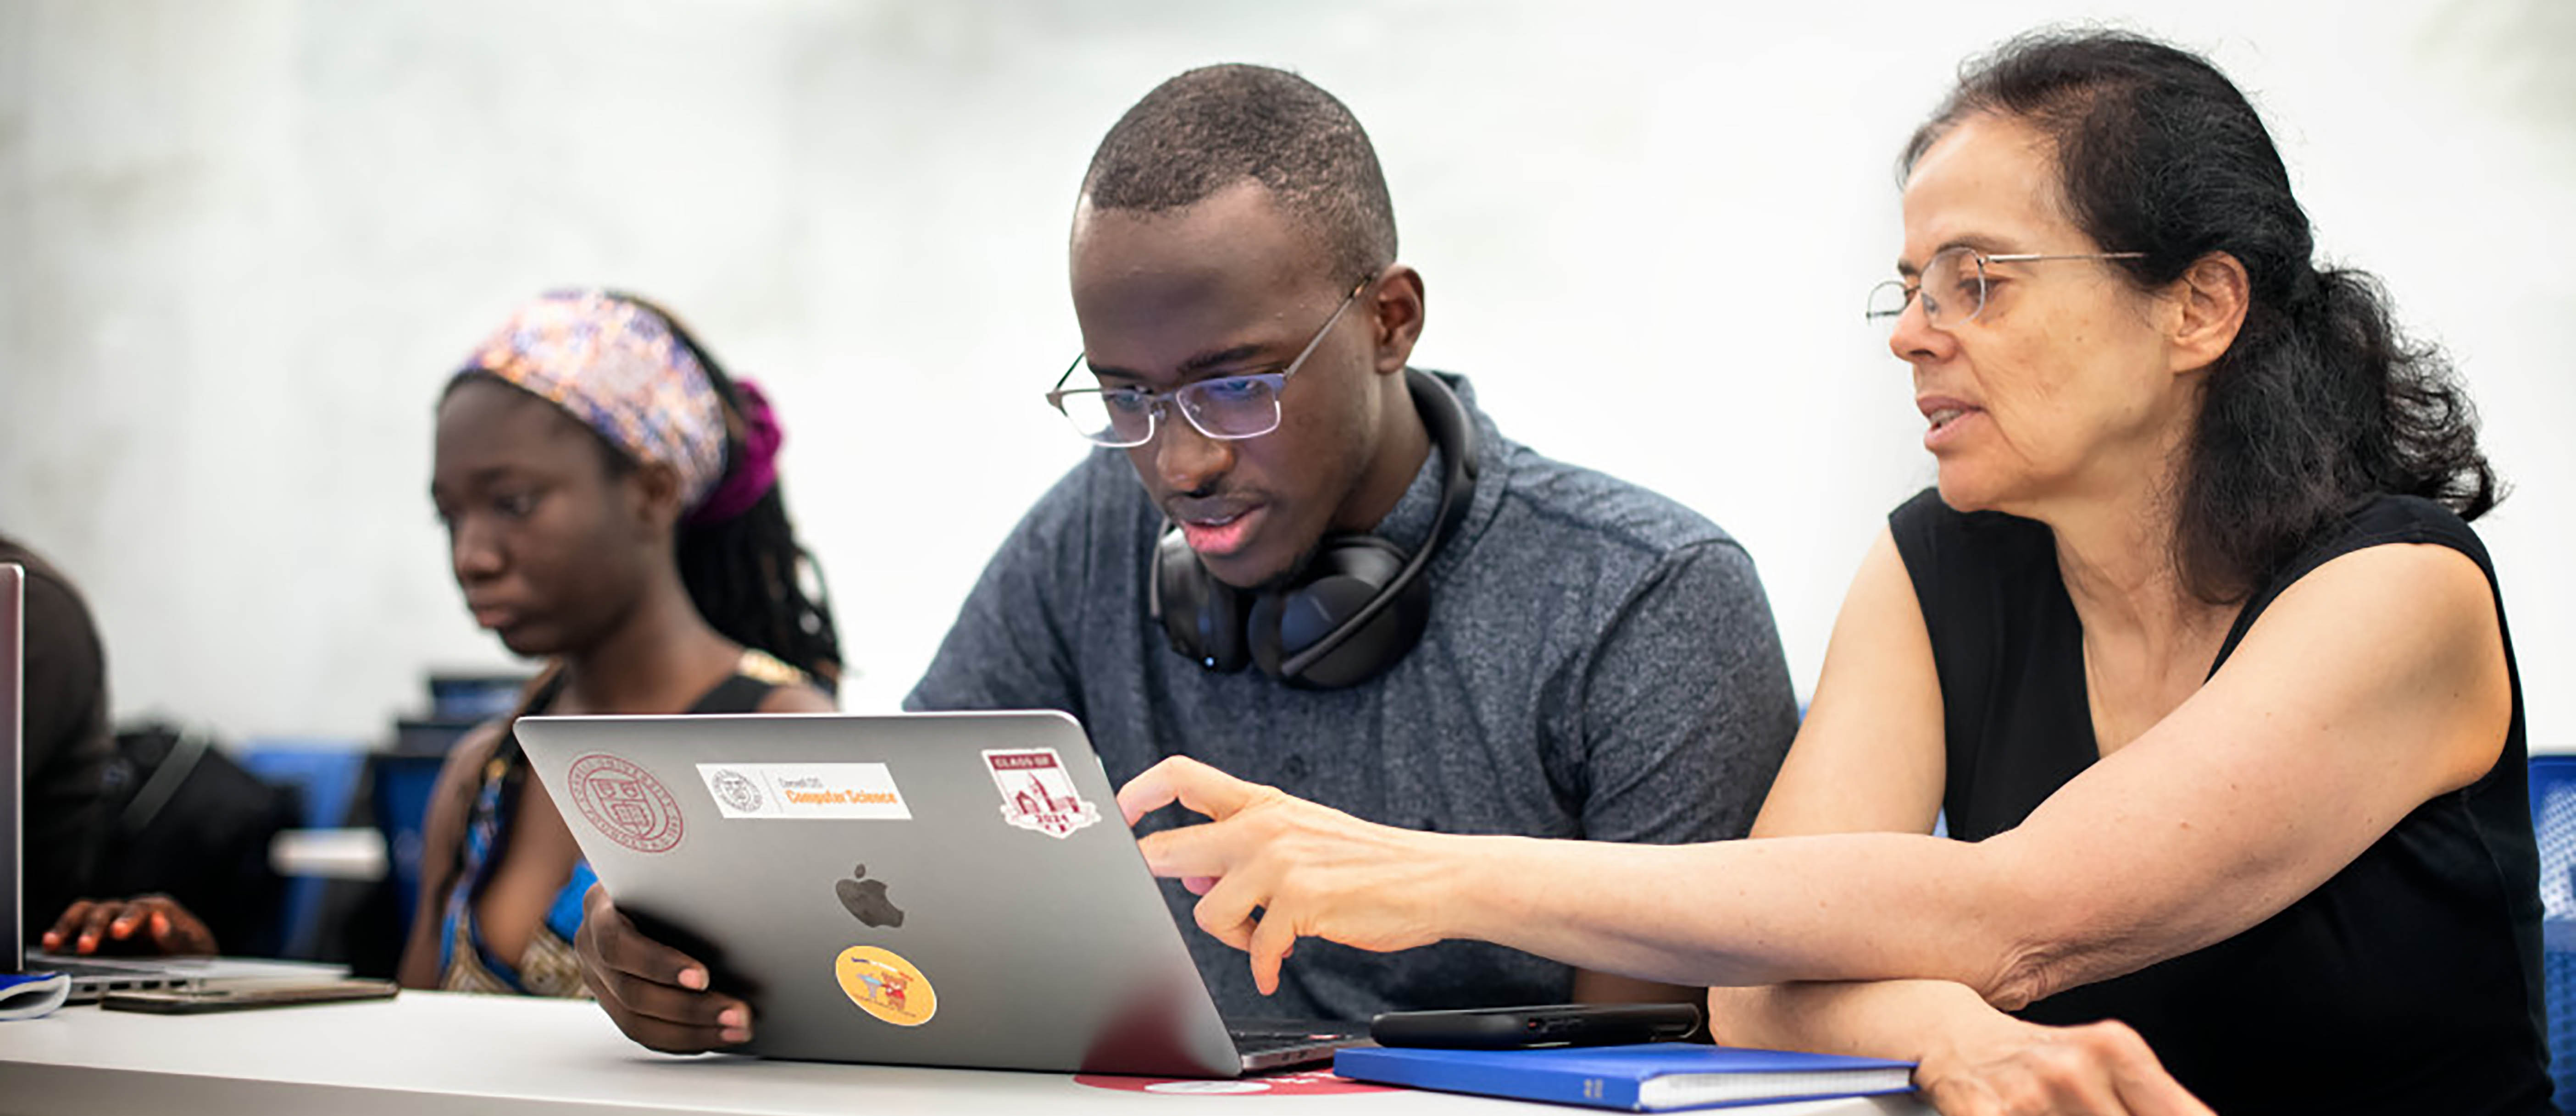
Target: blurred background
{"type": "Point", "coordinates": [244, 242]}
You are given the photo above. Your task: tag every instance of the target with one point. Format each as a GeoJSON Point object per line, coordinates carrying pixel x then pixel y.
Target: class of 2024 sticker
{"type": "Point", "coordinates": [1037, 792]}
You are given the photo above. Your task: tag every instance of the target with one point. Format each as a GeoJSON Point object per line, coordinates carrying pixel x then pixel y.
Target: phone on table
{"type": "Point", "coordinates": [246, 995]}
{"type": "Point", "coordinates": [1511, 1028]}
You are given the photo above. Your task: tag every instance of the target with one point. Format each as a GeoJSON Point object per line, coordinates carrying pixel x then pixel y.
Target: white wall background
{"type": "Point", "coordinates": [243, 241]}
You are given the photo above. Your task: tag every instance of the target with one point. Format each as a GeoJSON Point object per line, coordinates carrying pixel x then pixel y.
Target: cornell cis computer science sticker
{"type": "Point", "coordinates": [624, 802]}
{"type": "Point", "coordinates": [885, 985]}
{"type": "Point", "coordinates": [1037, 792]}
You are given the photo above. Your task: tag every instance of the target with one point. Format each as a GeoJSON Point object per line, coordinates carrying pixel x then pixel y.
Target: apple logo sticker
{"type": "Point", "coordinates": [866, 899]}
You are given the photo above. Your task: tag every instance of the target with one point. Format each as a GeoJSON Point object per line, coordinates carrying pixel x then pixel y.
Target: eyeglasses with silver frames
{"type": "Point", "coordinates": [1226, 408]}
{"type": "Point", "coordinates": [1954, 279]}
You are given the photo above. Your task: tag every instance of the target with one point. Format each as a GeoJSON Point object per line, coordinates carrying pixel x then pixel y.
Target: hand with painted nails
{"type": "Point", "coordinates": [145, 924]}
{"type": "Point", "coordinates": [1270, 868]}
{"type": "Point", "coordinates": [656, 994]}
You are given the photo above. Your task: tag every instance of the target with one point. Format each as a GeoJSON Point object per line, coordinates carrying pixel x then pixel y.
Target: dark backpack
{"type": "Point", "coordinates": [185, 820]}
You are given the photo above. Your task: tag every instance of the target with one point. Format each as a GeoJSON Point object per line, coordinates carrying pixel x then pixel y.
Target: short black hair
{"type": "Point", "coordinates": [2322, 400]}
{"type": "Point", "coordinates": [1215, 126]}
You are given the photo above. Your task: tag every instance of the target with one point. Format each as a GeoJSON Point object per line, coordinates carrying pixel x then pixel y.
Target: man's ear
{"type": "Point", "coordinates": [1395, 314]}
{"type": "Point", "coordinates": [2210, 300]}
{"type": "Point", "coordinates": [654, 499]}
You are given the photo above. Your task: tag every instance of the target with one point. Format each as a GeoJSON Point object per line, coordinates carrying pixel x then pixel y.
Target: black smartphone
{"type": "Point", "coordinates": [1546, 1025]}
{"type": "Point", "coordinates": [247, 995]}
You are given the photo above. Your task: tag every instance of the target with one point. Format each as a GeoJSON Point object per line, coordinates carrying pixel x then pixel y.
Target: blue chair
{"type": "Point", "coordinates": [398, 788]}
{"type": "Point", "coordinates": [474, 697]}
{"type": "Point", "coordinates": [325, 775]}
{"type": "Point", "coordinates": [2553, 819]}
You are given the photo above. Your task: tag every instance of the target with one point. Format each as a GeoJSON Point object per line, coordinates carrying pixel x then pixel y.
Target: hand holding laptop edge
{"type": "Point", "coordinates": [657, 995]}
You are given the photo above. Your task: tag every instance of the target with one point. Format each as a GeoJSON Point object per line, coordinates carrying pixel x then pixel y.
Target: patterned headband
{"type": "Point", "coordinates": [618, 368]}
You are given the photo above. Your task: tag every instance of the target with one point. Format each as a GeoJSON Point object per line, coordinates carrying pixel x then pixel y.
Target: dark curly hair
{"type": "Point", "coordinates": [2321, 401]}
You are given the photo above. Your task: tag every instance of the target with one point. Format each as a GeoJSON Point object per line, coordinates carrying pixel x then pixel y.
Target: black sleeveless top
{"type": "Point", "coordinates": [2407, 983]}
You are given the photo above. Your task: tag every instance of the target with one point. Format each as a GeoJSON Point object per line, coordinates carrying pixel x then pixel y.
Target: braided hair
{"type": "Point", "coordinates": [747, 573]}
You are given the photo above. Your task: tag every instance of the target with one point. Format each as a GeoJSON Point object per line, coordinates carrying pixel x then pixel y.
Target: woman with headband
{"type": "Point", "coordinates": [611, 503]}
{"type": "Point", "coordinates": [611, 500]}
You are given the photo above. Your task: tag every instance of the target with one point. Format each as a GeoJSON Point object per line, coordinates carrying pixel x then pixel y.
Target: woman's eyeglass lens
{"type": "Point", "coordinates": [1952, 285]}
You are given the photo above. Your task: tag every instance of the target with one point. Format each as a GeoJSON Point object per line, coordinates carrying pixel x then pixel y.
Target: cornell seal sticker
{"type": "Point", "coordinates": [1037, 792]}
{"type": "Point", "coordinates": [735, 791]}
{"type": "Point", "coordinates": [624, 802]}
{"type": "Point", "coordinates": [885, 985]}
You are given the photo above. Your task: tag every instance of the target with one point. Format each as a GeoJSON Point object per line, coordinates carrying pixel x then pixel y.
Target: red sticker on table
{"type": "Point", "coordinates": [1303, 1083]}
{"type": "Point", "coordinates": [620, 800]}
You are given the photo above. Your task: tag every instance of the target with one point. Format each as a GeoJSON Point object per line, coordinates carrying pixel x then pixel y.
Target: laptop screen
{"type": "Point", "coordinates": [13, 637]}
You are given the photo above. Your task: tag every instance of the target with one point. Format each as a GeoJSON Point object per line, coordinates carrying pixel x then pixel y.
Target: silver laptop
{"type": "Point", "coordinates": [89, 978]}
{"type": "Point", "coordinates": [943, 889]}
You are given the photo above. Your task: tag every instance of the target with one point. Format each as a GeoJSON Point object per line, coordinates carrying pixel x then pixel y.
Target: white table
{"type": "Point", "coordinates": [437, 1054]}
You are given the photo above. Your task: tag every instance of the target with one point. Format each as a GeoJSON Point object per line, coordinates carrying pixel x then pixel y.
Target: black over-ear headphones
{"type": "Point", "coordinates": [1357, 607]}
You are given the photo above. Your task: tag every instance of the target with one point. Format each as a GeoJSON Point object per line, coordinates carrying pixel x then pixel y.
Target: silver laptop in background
{"type": "Point", "coordinates": [944, 889]}
{"type": "Point", "coordinates": [90, 977]}
{"type": "Point", "coordinates": [13, 675]}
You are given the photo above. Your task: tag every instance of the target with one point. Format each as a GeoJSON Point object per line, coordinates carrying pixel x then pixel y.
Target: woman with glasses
{"type": "Point", "coordinates": [2192, 645]}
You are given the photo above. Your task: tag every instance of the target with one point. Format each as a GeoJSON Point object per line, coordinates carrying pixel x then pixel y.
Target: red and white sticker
{"type": "Point", "coordinates": [1037, 792]}
{"type": "Point", "coordinates": [621, 800]}
{"type": "Point", "coordinates": [791, 791]}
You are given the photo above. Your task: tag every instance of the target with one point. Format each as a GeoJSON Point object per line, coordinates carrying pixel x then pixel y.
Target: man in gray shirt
{"type": "Point", "coordinates": [1575, 656]}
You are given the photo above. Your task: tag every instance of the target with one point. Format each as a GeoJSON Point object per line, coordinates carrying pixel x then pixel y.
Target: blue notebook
{"type": "Point", "coordinates": [1649, 1077]}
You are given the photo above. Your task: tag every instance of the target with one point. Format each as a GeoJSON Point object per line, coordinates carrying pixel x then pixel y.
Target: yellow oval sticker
{"type": "Point", "coordinates": [885, 985]}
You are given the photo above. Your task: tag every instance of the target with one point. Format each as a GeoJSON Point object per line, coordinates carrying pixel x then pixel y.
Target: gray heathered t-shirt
{"type": "Point", "coordinates": [1600, 663]}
